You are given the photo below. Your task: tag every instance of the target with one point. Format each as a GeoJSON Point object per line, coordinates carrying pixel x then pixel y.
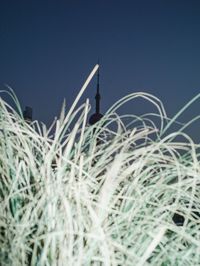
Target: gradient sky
{"type": "Point", "coordinates": [48, 48]}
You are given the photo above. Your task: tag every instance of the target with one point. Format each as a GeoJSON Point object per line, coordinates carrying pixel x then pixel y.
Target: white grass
{"type": "Point", "coordinates": [67, 201]}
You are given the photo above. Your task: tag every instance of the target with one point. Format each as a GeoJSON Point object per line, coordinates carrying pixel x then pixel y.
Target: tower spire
{"type": "Point", "coordinates": [98, 96]}
{"type": "Point", "coordinates": [97, 115]}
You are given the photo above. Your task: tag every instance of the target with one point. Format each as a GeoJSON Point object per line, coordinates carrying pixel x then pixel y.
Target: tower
{"type": "Point", "coordinates": [94, 118]}
{"type": "Point", "coordinates": [28, 112]}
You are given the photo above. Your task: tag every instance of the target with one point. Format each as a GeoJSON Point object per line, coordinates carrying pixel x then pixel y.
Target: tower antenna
{"type": "Point", "coordinates": [97, 115]}
{"type": "Point", "coordinates": [98, 96]}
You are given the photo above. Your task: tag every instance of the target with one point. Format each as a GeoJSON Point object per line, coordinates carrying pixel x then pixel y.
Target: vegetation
{"type": "Point", "coordinates": [107, 194]}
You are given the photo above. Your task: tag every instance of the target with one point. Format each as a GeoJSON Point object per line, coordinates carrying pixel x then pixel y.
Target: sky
{"type": "Point", "coordinates": [48, 48]}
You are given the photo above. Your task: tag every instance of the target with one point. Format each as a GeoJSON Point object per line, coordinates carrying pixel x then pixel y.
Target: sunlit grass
{"type": "Point", "coordinates": [98, 197]}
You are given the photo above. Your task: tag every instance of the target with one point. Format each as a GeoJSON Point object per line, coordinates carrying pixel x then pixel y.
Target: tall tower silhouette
{"type": "Point", "coordinates": [94, 118]}
{"type": "Point", "coordinates": [28, 114]}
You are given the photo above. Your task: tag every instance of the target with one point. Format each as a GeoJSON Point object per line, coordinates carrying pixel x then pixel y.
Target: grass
{"type": "Point", "coordinates": [98, 197]}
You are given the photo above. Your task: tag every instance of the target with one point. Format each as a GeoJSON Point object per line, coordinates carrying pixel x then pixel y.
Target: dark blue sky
{"type": "Point", "coordinates": [47, 49]}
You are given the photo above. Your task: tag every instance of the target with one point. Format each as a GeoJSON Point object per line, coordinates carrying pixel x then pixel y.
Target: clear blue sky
{"type": "Point", "coordinates": [47, 49]}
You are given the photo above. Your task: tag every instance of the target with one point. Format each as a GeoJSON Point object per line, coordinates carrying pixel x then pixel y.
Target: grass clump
{"type": "Point", "coordinates": [115, 193]}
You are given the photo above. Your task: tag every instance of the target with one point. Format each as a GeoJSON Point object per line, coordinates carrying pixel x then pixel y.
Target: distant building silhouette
{"type": "Point", "coordinates": [94, 118]}
{"type": "Point", "coordinates": [28, 114]}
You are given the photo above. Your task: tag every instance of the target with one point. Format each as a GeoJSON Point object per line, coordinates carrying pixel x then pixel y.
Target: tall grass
{"type": "Point", "coordinates": [98, 195]}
